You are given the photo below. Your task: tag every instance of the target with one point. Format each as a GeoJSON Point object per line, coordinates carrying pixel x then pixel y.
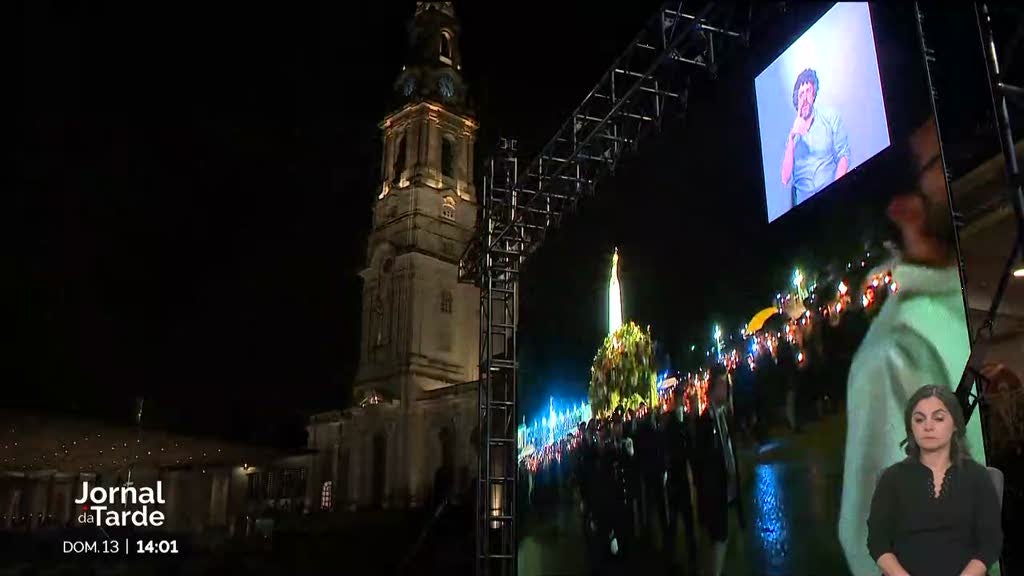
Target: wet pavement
{"type": "Point", "coordinates": [792, 489]}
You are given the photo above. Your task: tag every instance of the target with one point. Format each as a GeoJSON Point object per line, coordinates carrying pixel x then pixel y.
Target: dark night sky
{"type": "Point", "coordinates": [196, 186]}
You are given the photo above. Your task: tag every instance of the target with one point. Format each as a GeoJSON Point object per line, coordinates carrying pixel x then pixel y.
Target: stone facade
{"type": "Point", "coordinates": [414, 396]}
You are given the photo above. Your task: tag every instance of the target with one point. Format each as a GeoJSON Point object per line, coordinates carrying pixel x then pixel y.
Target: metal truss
{"type": "Point", "coordinates": [967, 391]}
{"type": "Point", "coordinates": [521, 202]}
{"type": "Point", "coordinates": [1001, 92]}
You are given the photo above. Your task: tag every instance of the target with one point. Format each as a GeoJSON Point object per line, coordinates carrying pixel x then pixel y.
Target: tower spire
{"type": "Point", "coordinates": [445, 7]}
{"type": "Point", "coordinates": [433, 66]}
{"type": "Point", "coordinates": [614, 297]}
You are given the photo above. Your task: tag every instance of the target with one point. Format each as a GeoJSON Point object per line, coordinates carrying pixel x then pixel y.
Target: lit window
{"type": "Point", "coordinates": [446, 302]}
{"type": "Point", "coordinates": [448, 157]}
{"type": "Point", "coordinates": [326, 495]}
{"type": "Point", "coordinates": [399, 165]}
{"type": "Point", "coordinates": [448, 208]}
{"type": "Point", "coordinates": [446, 47]}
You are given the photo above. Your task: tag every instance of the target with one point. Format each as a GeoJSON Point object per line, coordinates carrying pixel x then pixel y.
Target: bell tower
{"type": "Point", "coordinates": [420, 329]}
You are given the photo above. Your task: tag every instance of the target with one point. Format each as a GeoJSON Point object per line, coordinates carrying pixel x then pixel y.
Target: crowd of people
{"type": "Point", "coordinates": [666, 478]}
{"type": "Point", "coordinates": [649, 478]}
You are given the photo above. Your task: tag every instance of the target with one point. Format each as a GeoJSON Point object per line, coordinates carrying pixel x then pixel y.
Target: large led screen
{"type": "Point", "coordinates": [820, 108]}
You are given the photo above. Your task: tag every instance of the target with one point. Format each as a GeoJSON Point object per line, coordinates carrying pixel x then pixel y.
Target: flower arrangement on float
{"type": "Point", "coordinates": [623, 372]}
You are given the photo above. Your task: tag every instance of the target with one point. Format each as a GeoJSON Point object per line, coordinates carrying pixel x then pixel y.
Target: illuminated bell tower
{"type": "Point", "coordinates": [420, 326]}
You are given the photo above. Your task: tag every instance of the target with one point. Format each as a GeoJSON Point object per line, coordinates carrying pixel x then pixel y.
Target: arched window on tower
{"type": "Point", "coordinates": [448, 157]}
{"type": "Point", "coordinates": [399, 165]}
{"type": "Point", "coordinates": [448, 208]}
{"type": "Point", "coordinates": [446, 302]}
{"type": "Point", "coordinates": [446, 47]}
{"type": "Point", "coordinates": [327, 495]}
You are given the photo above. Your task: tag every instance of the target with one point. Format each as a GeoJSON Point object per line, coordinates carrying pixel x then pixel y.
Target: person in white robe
{"type": "Point", "coordinates": [919, 337]}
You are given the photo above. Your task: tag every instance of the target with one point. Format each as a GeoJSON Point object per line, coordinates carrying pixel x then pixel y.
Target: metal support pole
{"type": "Point", "coordinates": [998, 91]}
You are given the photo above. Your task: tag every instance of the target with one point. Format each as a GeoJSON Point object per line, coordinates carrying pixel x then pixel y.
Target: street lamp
{"type": "Point", "coordinates": [798, 283]}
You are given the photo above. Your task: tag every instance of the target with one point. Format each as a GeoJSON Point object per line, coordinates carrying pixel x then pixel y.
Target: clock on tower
{"type": "Point", "coordinates": [446, 87]}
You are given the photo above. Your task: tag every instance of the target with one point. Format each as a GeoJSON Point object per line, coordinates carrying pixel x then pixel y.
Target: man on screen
{"type": "Point", "coordinates": [817, 149]}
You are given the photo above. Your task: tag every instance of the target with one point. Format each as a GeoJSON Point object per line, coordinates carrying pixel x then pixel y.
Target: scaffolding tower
{"type": "Point", "coordinates": [521, 201]}
{"type": "Point", "coordinates": [1002, 94]}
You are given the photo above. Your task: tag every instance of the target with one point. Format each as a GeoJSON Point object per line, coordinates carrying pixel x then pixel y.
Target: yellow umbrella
{"type": "Point", "coordinates": [760, 318]}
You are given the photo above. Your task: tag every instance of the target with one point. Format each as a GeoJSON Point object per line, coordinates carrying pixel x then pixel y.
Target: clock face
{"type": "Point", "coordinates": [446, 86]}
{"type": "Point", "coordinates": [408, 86]}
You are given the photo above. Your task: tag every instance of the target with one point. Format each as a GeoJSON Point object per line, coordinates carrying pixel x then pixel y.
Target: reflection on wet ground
{"type": "Point", "coordinates": [794, 495]}
{"type": "Point", "coordinates": [791, 499]}
{"type": "Point", "coordinates": [771, 529]}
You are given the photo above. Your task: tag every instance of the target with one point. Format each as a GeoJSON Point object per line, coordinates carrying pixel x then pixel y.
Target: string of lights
{"type": "Point", "coordinates": [27, 447]}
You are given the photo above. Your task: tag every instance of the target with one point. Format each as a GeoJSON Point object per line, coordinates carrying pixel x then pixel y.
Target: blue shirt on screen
{"type": "Point", "coordinates": [816, 154]}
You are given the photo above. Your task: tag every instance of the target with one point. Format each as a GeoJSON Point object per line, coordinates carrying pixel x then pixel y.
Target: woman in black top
{"type": "Point", "coordinates": [937, 512]}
